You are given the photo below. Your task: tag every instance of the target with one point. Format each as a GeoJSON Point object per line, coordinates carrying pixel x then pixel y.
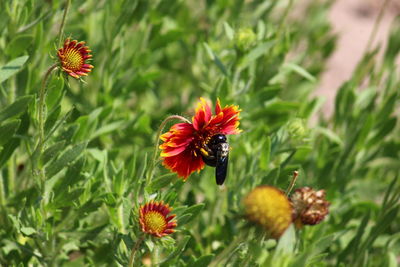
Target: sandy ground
{"type": "Point", "coordinates": [353, 21]}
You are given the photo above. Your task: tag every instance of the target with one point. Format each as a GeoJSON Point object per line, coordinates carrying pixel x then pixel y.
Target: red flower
{"type": "Point", "coordinates": [153, 219]}
{"type": "Point", "coordinates": [73, 58]}
{"type": "Point", "coordinates": [182, 143]}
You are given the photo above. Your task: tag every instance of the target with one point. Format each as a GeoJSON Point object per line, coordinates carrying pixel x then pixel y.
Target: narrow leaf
{"type": "Point", "coordinates": [7, 131]}
{"type": "Point", "coordinates": [12, 68]}
{"type": "Point", "coordinates": [65, 159]}
{"type": "Point", "coordinates": [16, 108]}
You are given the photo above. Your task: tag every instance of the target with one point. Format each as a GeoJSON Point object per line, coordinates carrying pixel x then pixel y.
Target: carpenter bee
{"type": "Point", "coordinates": [216, 153]}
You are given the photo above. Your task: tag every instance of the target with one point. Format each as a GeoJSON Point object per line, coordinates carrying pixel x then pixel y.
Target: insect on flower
{"type": "Point", "coordinates": [215, 154]}
{"type": "Point", "coordinates": [187, 147]}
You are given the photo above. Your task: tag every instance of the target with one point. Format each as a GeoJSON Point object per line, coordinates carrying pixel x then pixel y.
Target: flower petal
{"type": "Point", "coordinates": [202, 115]}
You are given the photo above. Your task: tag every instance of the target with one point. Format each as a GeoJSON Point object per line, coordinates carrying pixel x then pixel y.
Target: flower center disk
{"type": "Point", "coordinates": [155, 221]}
{"type": "Point", "coordinates": [73, 59]}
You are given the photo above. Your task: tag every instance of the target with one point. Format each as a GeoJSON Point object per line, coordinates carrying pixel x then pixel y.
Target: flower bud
{"type": "Point", "coordinates": [297, 128]}
{"type": "Point", "coordinates": [245, 39]}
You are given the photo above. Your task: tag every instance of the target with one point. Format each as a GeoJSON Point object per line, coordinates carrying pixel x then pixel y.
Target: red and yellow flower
{"type": "Point", "coordinates": [73, 58]}
{"type": "Point", "coordinates": [154, 219]}
{"type": "Point", "coordinates": [183, 142]}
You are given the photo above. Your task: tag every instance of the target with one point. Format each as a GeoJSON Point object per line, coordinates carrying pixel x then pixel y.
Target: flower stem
{"type": "Point", "coordinates": [41, 119]}
{"type": "Point", "coordinates": [159, 131]}
{"type": "Point", "coordinates": [60, 32]}
{"type": "Point", "coordinates": [229, 249]}
{"type": "Point", "coordinates": [292, 183]}
{"type": "Point", "coordinates": [134, 249]}
{"type": "Point", "coordinates": [42, 105]}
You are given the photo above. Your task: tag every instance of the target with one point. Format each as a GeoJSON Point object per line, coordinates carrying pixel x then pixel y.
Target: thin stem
{"type": "Point", "coordinates": [62, 25]}
{"type": "Point", "coordinates": [134, 249]}
{"type": "Point", "coordinates": [42, 107]}
{"type": "Point", "coordinates": [159, 132]}
{"type": "Point", "coordinates": [284, 16]}
{"type": "Point", "coordinates": [229, 249]}
{"type": "Point", "coordinates": [39, 148]}
{"type": "Point", "coordinates": [292, 183]}
{"type": "Point", "coordinates": [376, 25]}
{"type": "Point", "coordinates": [2, 193]}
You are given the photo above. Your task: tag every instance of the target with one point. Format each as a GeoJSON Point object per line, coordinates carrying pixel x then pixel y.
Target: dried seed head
{"type": "Point", "coordinates": [310, 206]}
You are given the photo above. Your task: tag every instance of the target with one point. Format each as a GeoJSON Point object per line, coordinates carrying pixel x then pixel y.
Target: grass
{"type": "Point", "coordinates": [70, 194]}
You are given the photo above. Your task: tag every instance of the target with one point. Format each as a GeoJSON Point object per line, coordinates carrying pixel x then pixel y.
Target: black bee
{"type": "Point", "coordinates": [216, 153]}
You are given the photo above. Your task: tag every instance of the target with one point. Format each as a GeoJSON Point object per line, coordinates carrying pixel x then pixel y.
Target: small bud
{"type": "Point", "coordinates": [297, 129]}
{"type": "Point", "coordinates": [310, 206]}
{"type": "Point", "coordinates": [245, 38]}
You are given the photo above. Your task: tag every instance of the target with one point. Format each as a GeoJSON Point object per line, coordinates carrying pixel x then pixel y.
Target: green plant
{"type": "Point", "coordinates": [75, 201]}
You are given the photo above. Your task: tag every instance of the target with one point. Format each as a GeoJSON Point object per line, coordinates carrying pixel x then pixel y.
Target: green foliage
{"type": "Point", "coordinates": [75, 201]}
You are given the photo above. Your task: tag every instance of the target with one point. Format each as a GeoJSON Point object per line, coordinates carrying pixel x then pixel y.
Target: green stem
{"type": "Point", "coordinates": [134, 249]}
{"type": "Point", "coordinates": [159, 132]}
{"type": "Point", "coordinates": [42, 107]}
{"type": "Point", "coordinates": [39, 148]}
{"type": "Point", "coordinates": [60, 32]}
{"type": "Point", "coordinates": [229, 249]}
{"type": "Point", "coordinates": [292, 183]}
{"type": "Point", "coordinates": [376, 25]}
{"type": "Point", "coordinates": [284, 16]}
{"type": "Point", "coordinates": [2, 193]}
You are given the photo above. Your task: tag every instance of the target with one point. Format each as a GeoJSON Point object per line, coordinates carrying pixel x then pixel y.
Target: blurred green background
{"type": "Point", "coordinates": [156, 58]}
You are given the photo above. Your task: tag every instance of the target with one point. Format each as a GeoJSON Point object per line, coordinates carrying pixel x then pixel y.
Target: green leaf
{"type": "Point", "coordinates": [184, 219]}
{"type": "Point", "coordinates": [162, 181]}
{"type": "Point", "coordinates": [117, 125]}
{"type": "Point", "coordinates": [52, 119]}
{"type": "Point", "coordinates": [229, 31]}
{"type": "Point", "coordinates": [7, 131]}
{"type": "Point", "coordinates": [16, 108]}
{"type": "Point", "coordinates": [18, 45]}
{"type": "Point", "coordinates": [178, 250]}
{"type": "Point", "coordinates": [265, 154]}
{"type": "Point", "coordinates": [255, 53]}
{"type": "Point", "coordinates": [299, 70]}
{"type": "Point", "coordinates": [8, 149]}
{"type": "Point", "coordinates": [194, 211]}
{"type": "Point", "coordinates": [52, 151]}
{"type": "Point", "coordinates": [330, 135]}
{"type": "Point", "coordinates": [66, 198]}
{"type": "Point", "coordinates": [203, 261]}
{"type": "Point", "coordinates": [28, 231]}
{"type": "Point", "coordinates": [287, 241]}
{"type": "Point", "coordinates": [12, 68]}
{"type": "Point", "coordinates": [55, 92]}
{"type": "Point", "coordinates": [384, 130]}
{"type": "Point", "coordinates": [216, 59]}
{"type": "Point", "coordinates": [393, 45]}
{"type": "Point", "coordinates": [65, 159]}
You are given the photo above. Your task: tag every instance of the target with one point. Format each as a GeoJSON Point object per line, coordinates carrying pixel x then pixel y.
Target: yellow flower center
{"type": "Point", "coordinates": [155, 221]}
{"type": "Point", "coordinates": [270, 208]}
{"type": "Point", "coordinates": [73, 59]}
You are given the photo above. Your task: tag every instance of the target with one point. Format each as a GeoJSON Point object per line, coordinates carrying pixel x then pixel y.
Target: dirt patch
{"type": "Point", "coordinates": [353, 21]}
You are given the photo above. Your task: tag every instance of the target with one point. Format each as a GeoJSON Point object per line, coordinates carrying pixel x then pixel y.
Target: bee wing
{"type": "Point", "coordinates": [221, 169]}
